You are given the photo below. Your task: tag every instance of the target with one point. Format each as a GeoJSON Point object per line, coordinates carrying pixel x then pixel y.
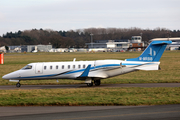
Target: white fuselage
{"type": "Point", "coordinates": [73, 70]}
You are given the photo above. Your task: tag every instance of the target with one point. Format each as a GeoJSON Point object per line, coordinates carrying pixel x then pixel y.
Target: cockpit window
{"type": "Point", "coordinates": [27, 67]}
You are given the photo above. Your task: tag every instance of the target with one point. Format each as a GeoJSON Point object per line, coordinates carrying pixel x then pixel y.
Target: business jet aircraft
{"type": "Point", "coordinates": [90, 71]}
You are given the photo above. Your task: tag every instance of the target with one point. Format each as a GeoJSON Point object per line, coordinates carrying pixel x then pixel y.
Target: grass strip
{"type": "Point", "coordinates": [91, 96]}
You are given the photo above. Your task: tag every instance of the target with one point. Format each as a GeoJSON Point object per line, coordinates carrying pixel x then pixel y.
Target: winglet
{"type": "Point", "coordinates": [86, 71]}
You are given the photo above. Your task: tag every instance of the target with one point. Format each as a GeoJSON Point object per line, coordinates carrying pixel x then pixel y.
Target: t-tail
{"type": "Point", "coordinates": [153, 52]}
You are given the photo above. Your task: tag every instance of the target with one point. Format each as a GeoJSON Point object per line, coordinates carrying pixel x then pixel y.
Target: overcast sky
{"type": "Point", "coordinates": [76, 14]}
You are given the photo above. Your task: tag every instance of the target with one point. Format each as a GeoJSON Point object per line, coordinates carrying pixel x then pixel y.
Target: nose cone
{"type": "Point", "coordinates": [5, 77]}
{"type": "Point", "coordinates": [12, 75]}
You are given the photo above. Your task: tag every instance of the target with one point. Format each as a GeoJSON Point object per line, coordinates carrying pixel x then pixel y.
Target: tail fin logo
{"type": "Point", "coordinates": [152, 53]}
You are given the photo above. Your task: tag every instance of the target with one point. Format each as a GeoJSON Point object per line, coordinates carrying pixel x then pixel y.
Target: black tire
{"type": "Point", "coordinates": [18, 85]}
{"type": "Point", "coordinates": [97, 82]}
{"type": "Point", "coordinates": [159, 68]}
{"type": "Point", "coordinates": [90, 84]}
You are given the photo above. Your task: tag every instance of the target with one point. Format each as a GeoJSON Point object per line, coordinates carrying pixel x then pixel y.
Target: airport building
{"type": "Point", "coordinates": [118, 45]}
{"type": "Point", "coordinates": [30, 48]}
{"type": "Point", "coordinates": [114, 45]}
{"type": "Point", "coordinates": [136, 44]}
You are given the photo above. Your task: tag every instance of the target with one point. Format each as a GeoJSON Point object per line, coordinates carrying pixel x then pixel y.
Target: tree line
{"type": "Point", "coordinates": [78, 38]}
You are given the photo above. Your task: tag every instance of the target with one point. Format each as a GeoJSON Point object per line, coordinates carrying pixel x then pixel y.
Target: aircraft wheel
{"type": "Point", "coordinates": [159, 68]}
{"type": "Point", "coordinates": [97, 82]}
{"type": "Point", "coordinates": [90, 84]}
{"type": "Point", "coordinates": [18, 85]}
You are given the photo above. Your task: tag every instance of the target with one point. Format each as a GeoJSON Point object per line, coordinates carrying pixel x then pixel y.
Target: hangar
{"type": "Point", "coordinates": [30, 48]}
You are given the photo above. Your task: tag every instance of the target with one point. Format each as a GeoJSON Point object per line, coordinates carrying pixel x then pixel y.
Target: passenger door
{"type": "Point", "coordinates": [39, 68]}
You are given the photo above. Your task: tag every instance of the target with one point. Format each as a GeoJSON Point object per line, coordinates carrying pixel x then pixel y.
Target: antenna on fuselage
{"type": "Point", "coordinates": [74, 59]}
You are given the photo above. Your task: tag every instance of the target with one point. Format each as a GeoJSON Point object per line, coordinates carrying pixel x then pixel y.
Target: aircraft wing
{"type": "Point", "coordinates": [86, 71]}
{"type": "Point", "coordinates": [91, 72]}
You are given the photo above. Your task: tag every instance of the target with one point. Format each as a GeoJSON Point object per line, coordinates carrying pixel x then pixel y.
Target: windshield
{"type": "Point", "coordinates": [27, 67]}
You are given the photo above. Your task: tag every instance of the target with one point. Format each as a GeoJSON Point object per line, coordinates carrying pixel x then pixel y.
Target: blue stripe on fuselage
{"type": "Point", "coordinates": [81, 70]}
{"type": "Point", "coordinates": [100, 66]}
{"type": "Point", "coordinates": [76, 71]}
{"type": "Point", "coordinates": [41, 76]}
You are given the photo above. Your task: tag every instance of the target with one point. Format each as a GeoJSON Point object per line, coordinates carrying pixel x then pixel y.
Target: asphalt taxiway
{"type": "Point", "coordinates": [85, 86]}
{"type": "Point", "coordinates": [159, 112]}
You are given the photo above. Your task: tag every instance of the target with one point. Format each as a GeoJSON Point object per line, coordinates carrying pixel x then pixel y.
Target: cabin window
{"type": "Point", "coordinates": [74, 66]}
{"type": "Point", "coordinates": [79, 66]}
{"type": "Point", "coordinates": [84, 66]}
{"type": "Point", "coordinates": [62, 66]}
{"type": "Point", "coordinates": [68, 66]}
{"type": "Point", "coordinates": [44, 67]}
{"type": "Point", "coordinates": [50, 67]}
{"type": "Point", "coordinates": [56, 66]}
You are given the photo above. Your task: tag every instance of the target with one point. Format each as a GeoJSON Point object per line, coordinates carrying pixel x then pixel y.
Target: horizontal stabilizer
{"type": "Point", "coordinates": [161, 42]}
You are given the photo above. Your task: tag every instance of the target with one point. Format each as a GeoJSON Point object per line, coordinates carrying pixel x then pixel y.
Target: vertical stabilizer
{"type": "Point", "coordinates": [153, 52]}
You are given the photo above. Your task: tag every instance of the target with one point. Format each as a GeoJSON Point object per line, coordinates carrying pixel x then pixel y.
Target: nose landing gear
{"type": "Point", "coordinates": [18, 85]}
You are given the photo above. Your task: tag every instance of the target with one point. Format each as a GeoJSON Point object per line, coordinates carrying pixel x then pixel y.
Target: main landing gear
{"type": "Point", "coordinates": [90, 84]}
{"type": "Point", "coordinates": [18, 85]}
{"type": "Point", "coordinates": [96, 82]}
